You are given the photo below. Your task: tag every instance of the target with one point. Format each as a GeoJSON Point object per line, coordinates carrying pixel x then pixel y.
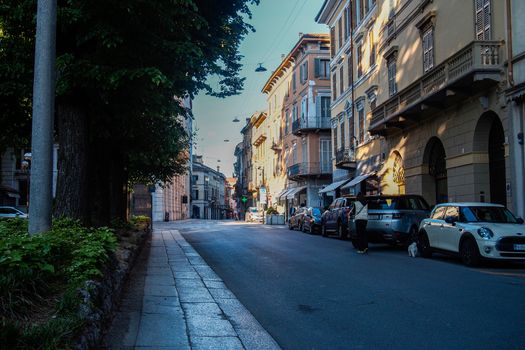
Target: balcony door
{"type": "Point", "coordinates": [325, 155]}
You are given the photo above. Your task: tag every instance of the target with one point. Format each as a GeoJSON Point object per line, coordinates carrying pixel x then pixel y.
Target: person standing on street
{"type": "Point", "coordinates": [361, 220]}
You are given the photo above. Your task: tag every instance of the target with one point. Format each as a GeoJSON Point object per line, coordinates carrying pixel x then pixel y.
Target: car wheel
{"type": "Point", "coordinates": [323, 231]}
{"type": "Point", "coordinates": [423, 245]}
{"type": "Point", "coordinates": [341, 232]}
{"type": "Point", "coordinates": [290, 227]}
{"type": "Point", "coordinates": [469, 253]}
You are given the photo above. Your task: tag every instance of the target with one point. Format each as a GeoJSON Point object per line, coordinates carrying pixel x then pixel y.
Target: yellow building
{"type": "Point", "coordinates": [423, 99]}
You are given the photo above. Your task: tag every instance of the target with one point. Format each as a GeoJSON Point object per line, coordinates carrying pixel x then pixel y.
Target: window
{"type": "Point", "coordinates": [347, 23]}
{"type": "Point", "coordinates": [483, 19]}
{"type": "Point", "coordinates": [341, 81]}
{"type": "Point", "coordinates": [304, 72]}
{"type": "Point", "coordinates": [195, 178]}
{"type": "Point", "coordinates": [325, 107]}
{"type": "Point", "coordinates": [304, 150]}
{"type": "Point", "coordinates": [372, 46]}
{"type": "Point", "coordinates": [304, 108]}
{"type": "Point", "coordinates": [361, 121]}
{"type": "Point", "coordinates": [334, 133]}
{"type": "Point", "coordinates": [340, 33]}
{"type": "Point", "coordinates": [349, 70]}
{"type": "Point", "coordinates": [342, 133]}
{"type": "Point", "coordinates": [334, 86]}
{"type": "Point", "coordinates": [359, 60]}
{"type": "Point", "coordinates": [293, 81]}
{"type": "Point", "coordinates": [294, 112]}
{"type": "Point", "coordinates": [392, 71]}
{"type": "Point", "coordinates": [452, 213]}
{"type": "Point", "coordinates": [325, 157]}
{"type": "Point", "coordinates": [439, 213]}
{"type": "Point", "coordinates": [332, 41]}
{"type": "Point", "coordinates": [428, 49]}
{"type": "Point", "coordinates": [322, 68]}
{"type": "Point", "coordinates": [294, 152]}
{"type": "Point", "coordinates": [286, 121]}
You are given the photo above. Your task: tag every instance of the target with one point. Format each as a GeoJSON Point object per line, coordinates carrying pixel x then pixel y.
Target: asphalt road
{"type": "Point", "coordinates": [311, 292]}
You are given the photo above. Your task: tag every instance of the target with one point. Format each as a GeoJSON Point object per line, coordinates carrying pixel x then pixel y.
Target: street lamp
{"type": "Point", "coordinates": [260, 69]}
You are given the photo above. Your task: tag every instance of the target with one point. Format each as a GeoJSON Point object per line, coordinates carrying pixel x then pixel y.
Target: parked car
{"type": "Point", "coordinates": [336, 217]}
{"type": "Point", "coordinates": [11, 212]}
{"type": "Point", "coordinates": [393, 219]}
{"type": "Point", "coordinates": [296, 220]}
{"type": "Point", "coordinates": [312, 220]}
{"type": "Point", "coordinates": [254, 215]}
{"type": "Point", "coordinates": [474, 231]}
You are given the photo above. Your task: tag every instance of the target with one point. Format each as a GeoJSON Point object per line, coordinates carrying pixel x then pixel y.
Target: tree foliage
{"type": "Point", "coordinates": [122, 69]}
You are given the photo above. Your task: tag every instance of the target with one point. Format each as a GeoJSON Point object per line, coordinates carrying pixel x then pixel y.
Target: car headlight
{"type": "Point", "coordinates": [485, 233]}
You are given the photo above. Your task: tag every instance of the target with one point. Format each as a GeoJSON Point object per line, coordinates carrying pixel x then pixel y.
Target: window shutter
{"type": "Point", "coordinates": [306, 70]}
{"type": "Point", "coordinates": [483, 19]}
{"type": "Point", "coordinates": [317, 64]}
{"type": "Point", "coordinates": [318, 106]}
{"type": "Point", "coordinates": [332, 41]}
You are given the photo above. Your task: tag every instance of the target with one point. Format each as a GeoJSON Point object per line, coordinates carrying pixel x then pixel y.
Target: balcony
{"type": "Point", "coordinates": [474, 68]}
{"type": "Point", "coordinates": [302, 170]}
{"type": "Point", "coordinates": [345, 159]}
{"type": "Point", "coordinates": [311, 124]}
{"type": "Point", "coordinates": [276, 146]}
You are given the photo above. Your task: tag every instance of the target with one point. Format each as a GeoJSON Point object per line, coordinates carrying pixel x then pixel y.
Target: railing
{"type": "Point", "coordinates": [311, 123]}
{"type": "Point", "coordinates": [344, 155]}
{"type": "Point", "coordinates": [304, 169]}
{"type": "Point", "coordinates": [477, 56]}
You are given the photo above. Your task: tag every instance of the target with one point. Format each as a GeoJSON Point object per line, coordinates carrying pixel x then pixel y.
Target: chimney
{"type": "Point", "coordinates": [282, 56]}
{"type": "Point", "coordinates": [301, 34]}
{"type": "Point", "coordinates": [218, 169]}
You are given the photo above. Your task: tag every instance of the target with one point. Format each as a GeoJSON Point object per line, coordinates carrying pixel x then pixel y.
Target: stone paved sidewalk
{"type": "Point", "coordinates": [174, 300]}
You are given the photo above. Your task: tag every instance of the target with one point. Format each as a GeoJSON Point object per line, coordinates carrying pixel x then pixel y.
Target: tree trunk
{"type": "Point", "coordinates": [72, 185]}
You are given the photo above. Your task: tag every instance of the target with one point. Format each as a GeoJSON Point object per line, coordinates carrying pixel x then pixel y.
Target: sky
{"type": "Point", "coordinates": [277, 24]}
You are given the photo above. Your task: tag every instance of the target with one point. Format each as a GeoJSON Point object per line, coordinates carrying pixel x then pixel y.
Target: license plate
{"type": "Point", "coordinates": [519, 246]}
{"type": "Point", "coordinates": [373, 217]}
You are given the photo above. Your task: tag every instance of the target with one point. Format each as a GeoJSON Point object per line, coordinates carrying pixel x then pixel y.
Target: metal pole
{"type": "Point", "coordinates": [41, 184]}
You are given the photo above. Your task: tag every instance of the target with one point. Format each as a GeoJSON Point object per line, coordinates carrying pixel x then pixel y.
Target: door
{"type": "Point", "coordinates": [451, 234]}
{"type": "Point", "coordinates": [433, 228]}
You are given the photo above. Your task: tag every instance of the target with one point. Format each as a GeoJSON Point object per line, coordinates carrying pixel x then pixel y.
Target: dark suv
{"type": "Point", "coordinates": [336, 217]}
{"type": "Point", "coordinates": [393, 219]}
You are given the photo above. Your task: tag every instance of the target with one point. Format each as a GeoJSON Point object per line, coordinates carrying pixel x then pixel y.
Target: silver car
{"type": "Point", "coordinates": [393, 219]}
{"type": "Point", "coordinates": [11, 212]}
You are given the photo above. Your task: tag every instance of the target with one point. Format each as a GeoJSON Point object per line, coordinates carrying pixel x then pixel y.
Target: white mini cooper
{"type": "Point", "coordinates": [474, 231]}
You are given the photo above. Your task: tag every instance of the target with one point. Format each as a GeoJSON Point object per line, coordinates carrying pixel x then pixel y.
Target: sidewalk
{"type": "Point", "coordinates": [174, 300]}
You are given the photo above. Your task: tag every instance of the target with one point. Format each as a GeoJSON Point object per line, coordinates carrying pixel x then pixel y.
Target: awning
{"type": "Point", "coordinates": [333, 186]}
{"type": "Point", "coordinates": [282, 193]}
{"type": "Point", "coordinates": [357, 180]}
{"type": "Point", "coordinates": [294, 191]}
{"type": "Point", "coordinates": [9, 191]}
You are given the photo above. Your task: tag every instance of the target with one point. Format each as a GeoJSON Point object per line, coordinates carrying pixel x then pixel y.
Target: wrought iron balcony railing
{"type": "Point", "coordinates": [310, 124]}
{"type": "Point", "coordinates": [308, 169]}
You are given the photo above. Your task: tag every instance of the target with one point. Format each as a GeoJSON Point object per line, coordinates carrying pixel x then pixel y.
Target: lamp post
{"type": "Point", "coordinates": [43, 111]}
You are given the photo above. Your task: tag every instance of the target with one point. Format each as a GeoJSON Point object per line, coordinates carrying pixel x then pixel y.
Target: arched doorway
{"type": "Point", "coordinates": [436, 184]}
{"type": "Point", "coordinates": [489, 138]}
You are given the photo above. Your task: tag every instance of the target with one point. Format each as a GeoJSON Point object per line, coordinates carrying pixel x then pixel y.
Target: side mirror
{"type": "Point", "coordinates": [450, 220]}
{"type": "Point", "coordinates": [520, 221]}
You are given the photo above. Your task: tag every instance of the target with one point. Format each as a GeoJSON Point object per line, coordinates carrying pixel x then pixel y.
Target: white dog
{"type": "Point", "coordinates": [412, 250]}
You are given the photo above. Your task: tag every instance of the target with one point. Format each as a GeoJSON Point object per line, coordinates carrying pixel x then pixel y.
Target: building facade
{"type": "Point", "coordinates": [208, 192]}
{"type": "Point", "coordinates": [171, 201]}
{"type": "Point", "coordinates": [515, 100]}
{"type": "Point", "coordinates": [426, 103]}
{"type": "Point", "coordinates": [305, 146]}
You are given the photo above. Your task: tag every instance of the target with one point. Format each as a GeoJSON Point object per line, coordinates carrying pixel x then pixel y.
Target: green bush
{"type": "Point", "coordinates": [271, 211]}
{"type": "Point", "coordinates": [47, 268]}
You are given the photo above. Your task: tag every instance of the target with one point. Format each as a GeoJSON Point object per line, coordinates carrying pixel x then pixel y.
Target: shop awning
{"type": "Point", "coordinates": [283, 194]}
{"type": "Point", "coordinates": [333, 186]}
{"type": "Point", "coordinates": [9, 191]}
{"type": "Point", "coordinates": [357, 180]}
{"type": "Point", "coordinates": [294, 191]}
